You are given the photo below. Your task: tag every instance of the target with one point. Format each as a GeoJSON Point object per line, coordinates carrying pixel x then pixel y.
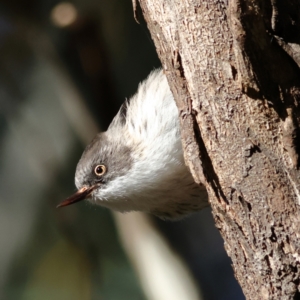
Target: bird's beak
{"type": "Point", "coordinates": [81, 194]}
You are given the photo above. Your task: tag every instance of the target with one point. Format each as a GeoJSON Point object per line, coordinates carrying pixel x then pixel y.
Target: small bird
{"type": "Point", "coordinates": [138, 164]}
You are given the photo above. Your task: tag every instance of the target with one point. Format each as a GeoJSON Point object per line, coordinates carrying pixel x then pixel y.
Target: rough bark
{"type": "Point", "coordinates": [233, 68]}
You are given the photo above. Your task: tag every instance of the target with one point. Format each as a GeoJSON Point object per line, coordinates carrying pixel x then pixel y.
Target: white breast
{"type": "Point", "coordinates": [158, 180]}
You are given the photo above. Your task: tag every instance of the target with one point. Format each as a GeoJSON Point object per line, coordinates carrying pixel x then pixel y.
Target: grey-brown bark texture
{"type": "Point", "coordinates": [233, 67]}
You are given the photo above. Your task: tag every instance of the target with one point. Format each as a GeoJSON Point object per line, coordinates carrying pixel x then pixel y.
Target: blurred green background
{"type": "Point", "coordinates": [65, 69]}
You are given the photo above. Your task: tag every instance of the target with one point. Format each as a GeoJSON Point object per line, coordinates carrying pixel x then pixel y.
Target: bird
{"type": "Point", "coordinates": [138, 163]}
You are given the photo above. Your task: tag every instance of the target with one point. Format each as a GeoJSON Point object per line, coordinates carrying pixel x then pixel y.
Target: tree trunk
{"type": "Point", "coordinates": [233, 67]}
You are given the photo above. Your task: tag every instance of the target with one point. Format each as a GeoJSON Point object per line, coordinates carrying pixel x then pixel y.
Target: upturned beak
{"type": "Point", "coordinates": [81, 194]}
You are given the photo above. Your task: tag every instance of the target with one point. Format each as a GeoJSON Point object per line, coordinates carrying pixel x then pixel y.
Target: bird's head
{"type": "Point", "coordinates": [103, 161]}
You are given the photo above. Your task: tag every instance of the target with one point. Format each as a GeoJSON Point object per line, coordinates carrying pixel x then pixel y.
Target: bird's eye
{"type": "Point", "coordinates": [100, 170]}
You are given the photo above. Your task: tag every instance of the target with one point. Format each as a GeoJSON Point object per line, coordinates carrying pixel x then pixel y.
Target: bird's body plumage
{"type": "Point", "coordinates": [143, 155]}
